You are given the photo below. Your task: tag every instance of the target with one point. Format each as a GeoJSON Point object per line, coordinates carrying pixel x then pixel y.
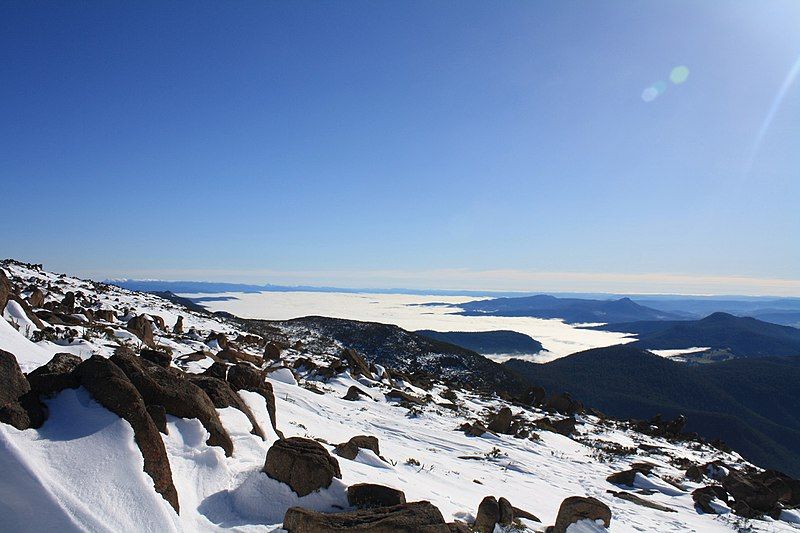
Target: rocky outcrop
{"type": "Point", "coordinates": [576, 508]}
{"type": "Point", "coordinates": [179, 396]}
{"type": "Point", "coordinates": [564, 404]}
{"type": "Point", "coordinates": [354, 393]}
{"type": "Point", "coordinates": [368, 495]}
{"type": "Point", "coordinates": [488, 515]}
{"type": "Point", "coordinates": [501, 422]}
{"type": "Point", "coordinates": [13, 388]}
{"type": "Point", "coordinates": [705, 495]}
{"type": "Point", "coordinates": [223, 396]}
{"type": "Point", "coordinates": [112, 389]}
{"type": "Point", "coordinates": [752, 497]}
{"type": "Point", "coordinates": [159, 357]}
{"type": "Point", "coordinates": [56, 375]}
{"type": "Point", "coordinates": [242, 376]}
{"type": "Point", "coordinates": [303, 464]}
{"type": "Point", "coordinates": [142, 328]}
{"type": "Point", "coordinates": [414, 517]}
{"type": "Point", "coordinates": [349, 449]}
{"type": "Point", "coordinates": [357, 364]}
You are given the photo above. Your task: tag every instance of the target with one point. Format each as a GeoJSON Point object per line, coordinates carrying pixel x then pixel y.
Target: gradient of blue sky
{"type": "Point", "coordinates": [242, 140]}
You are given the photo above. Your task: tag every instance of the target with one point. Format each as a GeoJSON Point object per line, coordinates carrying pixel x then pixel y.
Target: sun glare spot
{"type": "Point", "coordinates": [679, 74]}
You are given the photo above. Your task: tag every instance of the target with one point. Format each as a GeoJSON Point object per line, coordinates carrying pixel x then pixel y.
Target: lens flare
{"type": "Point", "coordinates": [679, 74]}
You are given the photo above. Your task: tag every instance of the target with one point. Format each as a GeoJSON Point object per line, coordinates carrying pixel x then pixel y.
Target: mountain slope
{"type": "Point", "coordinates": [751, 404]}
{"type": "Point", "coordinates": [394, 347]}
{"type": "Point", "coordinates": [738, 336]}
{"type": "Point", "coordinates": [571, 310]}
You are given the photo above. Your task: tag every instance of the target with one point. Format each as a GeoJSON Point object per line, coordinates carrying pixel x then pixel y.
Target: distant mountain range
{"type": "Point", "coordinates": [571, 310]}
{"type": "Point", "coordinates": [752, 404]}
{"type": "Point", "coordinates": [721, 332]}
{"type": "Point", "coordinates": [488, 342]}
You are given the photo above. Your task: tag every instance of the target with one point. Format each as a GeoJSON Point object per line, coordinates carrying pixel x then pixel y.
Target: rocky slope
{"type": "Point", "coordinates": [125, 411]}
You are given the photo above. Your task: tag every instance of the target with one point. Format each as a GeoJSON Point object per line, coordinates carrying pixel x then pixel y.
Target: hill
{"type": "Point", "coordinates": [571, 310]}
{"type": "Point", "coordinates": [752, 404]}
{"type": "Point", "coordinates": [487, 342]}
{"type": "Point", "coordinates": [736, 336]}
{"type": "Point", "coordinates": [393, 347]}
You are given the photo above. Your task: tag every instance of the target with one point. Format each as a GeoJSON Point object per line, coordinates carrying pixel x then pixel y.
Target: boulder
{"type": "Point", "coordinates": [475, 429]}
{"type": "Point", "coordinates": [576, 508]}
{"type": "Point", "coordinates": [222, 395]}
{"type": "Point", "coordinates": [179, 396]}
{"type": "Point", "coordinates": [349, 449]}
{"type": "Point", "coordinates": [627, 477]}
{"type": "Point", "coordinates": [303, 464]}
{"type": "Point", "coordinates": [5, 290]}
{"type": "Point", "coordinates": [221, 338]}
{"type": "Point", "coordinates": [216, 370]}
{"type": "Point", "coordinates": [36, 298]}
{"type": "Point", "coordinates": [520, 513]}
{"type": "Point", "coordinates": [233, 355]}
{"type": "Point", "coordinates": [501, 422]}
{"type": "Point", "coordinates": [141, 327]}
{"type": "Point", "coordinates": [242, 376]}
{"type": "Point", "coordinates": [177, 329]}
{"type": "Point", "coordinates": [106, 315]}
{"type": "Point", "coordinates": [112, 389]}
{"type": "Point", "coordinates": [356, 363]}
{"type": "Point", "coordinates": [55, 375]}
{"type": "Point", "coordinates": [272, 351]}
{"type": "Point", "coordinates": [354, 393]}
{"type": "Point", "coordinates": [68, 302]}
{"type": "Point", "coordinates": [705, 495]}
{"type": "Point", "coordinates": [506, 512]}
{"type": "Point", "coordinates": [752, 496]}
{"type": "Point", "coordinates": [158, 357]}
{"type": "Point", "coordinates": [565, 426]}
{"type": "Point", "coordinates": [404, 397]}
{"type": "Point", "coordinates": [414, 517]}
{"type": "Point", "coordinates": [366, 495]}
{"type": "Point", "coordinates": [14, 390]}
{"type": "Point", "coordinates": [488, 515]}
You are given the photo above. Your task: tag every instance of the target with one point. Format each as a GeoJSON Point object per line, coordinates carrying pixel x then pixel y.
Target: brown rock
{"type": "Point", "coordinates": [113, 390]}
{"type": "Point", "coordinates": [177, 329]}
{"type": "Point", "coordinates": [36, 298]}
{"type": "Point", "coordinates": [272, 351]}
{"type": "Point", "coordinates": [222, 395]}
{"type": "Point", "coordinates": [488, 515]}
{"type": "Point", "coordinates": [501, 422]}
{"type": "Point", "coordinates": [576, 508]}
{"type": "Point", "coordinates": [354, 393]}
{"type": "Point", "coordinates": [158, 357]}
{"type": "Point", "coordinates": [303, 464]}
{"type": "Point", "coordinates": [414, 517]}
{"type": "Point", "coordinates": [56, 375]}
{"type": "Point", "coordinates": [506, 512]}
{"type": "Point", "coordinates": [356, 363]}
{"type": "Point", "coordinates": [141, 327]}
{"type": "Point", "coordinates": [242, 376]}
{"type": "Point", "coordinates": [107, 315]}
{"type": "Point", "coordinates": [349, 449]}
{"type": "Point", "coordinates": [159, 416]}
{"type": "Point", "coordinates": [366, 495]}
{"type": "Point", "coordinates": [180, 397]}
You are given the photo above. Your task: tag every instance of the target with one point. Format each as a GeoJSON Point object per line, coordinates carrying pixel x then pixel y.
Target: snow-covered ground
{"type": "Point", "coordinates": [410, 312]}
{"type": "Point", "coordinates": [82, 471]}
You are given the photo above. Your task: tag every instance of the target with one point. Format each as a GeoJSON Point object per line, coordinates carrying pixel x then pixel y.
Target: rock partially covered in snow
{"type": "Point", "coordinates": [578, 508]}
{"type": "Point", "coordinates": [407, 518]}
{"type": "Point", "coordinates": [367, 495]}
{"type": "Point", "coordinates": [303, 464]}
{"type": "Point", "coordinates": [113, 390]}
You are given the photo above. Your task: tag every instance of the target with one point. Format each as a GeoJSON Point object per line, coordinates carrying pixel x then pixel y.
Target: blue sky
{"type": "Point", "coordinates": [423, 144]}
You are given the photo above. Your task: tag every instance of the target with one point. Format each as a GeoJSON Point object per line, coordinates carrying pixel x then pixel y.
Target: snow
{"type": "Point", "coordinates": [15, 314]}
{"type": "Point", "coordinates": [83, 471]}
{"type": "Point", "coordinates": [412, 312]}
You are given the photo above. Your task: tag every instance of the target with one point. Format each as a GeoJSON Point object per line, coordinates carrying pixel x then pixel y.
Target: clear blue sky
{"type": "Point", "coordinates": [412, 143]}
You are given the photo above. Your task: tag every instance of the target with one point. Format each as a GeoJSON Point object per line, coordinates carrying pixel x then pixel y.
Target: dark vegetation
{"type": "Point", "coordinates": [487, 342]}
{"type": "Point", "coordinates": [751, 404]}
{"type": "Point", "coordinates": [739, 336]}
